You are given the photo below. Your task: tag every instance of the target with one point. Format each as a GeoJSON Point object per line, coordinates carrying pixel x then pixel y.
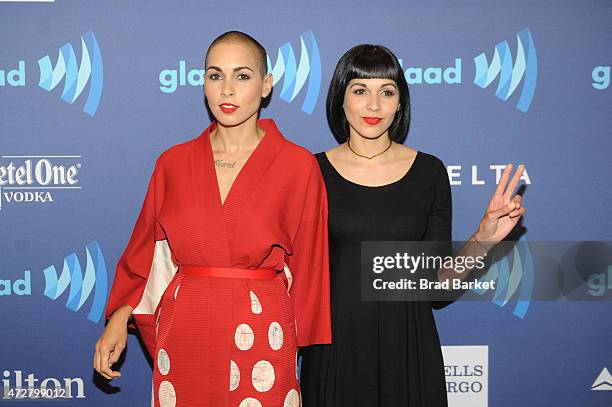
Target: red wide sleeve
{"type": "Point", "coordinates": [134, 265]}
{"type": "Point", "coordinates": [309, 266]}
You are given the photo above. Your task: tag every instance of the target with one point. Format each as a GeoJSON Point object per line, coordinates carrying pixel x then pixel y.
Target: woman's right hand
{"type": "Point", "coordinates": [112, 343]}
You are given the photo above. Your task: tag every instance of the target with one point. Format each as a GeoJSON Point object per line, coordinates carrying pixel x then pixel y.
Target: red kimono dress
{"type": "Point", "coordinates": [229, 340]}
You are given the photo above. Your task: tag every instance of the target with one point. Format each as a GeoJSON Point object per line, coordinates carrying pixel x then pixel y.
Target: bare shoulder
{"type": "Point", "coordinates": [405, 152]}
{"type": "Point", "coordinates": [335, 152]}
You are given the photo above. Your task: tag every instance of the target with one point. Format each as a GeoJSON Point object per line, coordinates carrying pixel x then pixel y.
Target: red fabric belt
{"type": "Point", "coordinates": [228, 272]}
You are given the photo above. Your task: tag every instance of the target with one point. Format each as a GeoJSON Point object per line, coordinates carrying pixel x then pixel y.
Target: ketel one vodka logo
{"type": "Point", "coordinates": [36, 179]}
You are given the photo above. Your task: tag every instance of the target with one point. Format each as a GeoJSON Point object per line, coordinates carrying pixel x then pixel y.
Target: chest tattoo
{"type": "Point", "coordinates": [224, 164]}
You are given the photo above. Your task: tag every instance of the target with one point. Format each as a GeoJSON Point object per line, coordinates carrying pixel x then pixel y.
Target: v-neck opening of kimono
{"type": "Point", "coordinates": [222, 202]}
{"type": "Point", "coordinates": [230, 212]}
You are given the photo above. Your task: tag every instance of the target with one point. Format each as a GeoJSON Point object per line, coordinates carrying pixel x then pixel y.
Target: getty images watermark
{"type": "Point", "coordinates": [476, 271]}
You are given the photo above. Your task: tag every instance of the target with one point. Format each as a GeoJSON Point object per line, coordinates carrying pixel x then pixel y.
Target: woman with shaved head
{"type": "Point", "coordinates": [226, 271]}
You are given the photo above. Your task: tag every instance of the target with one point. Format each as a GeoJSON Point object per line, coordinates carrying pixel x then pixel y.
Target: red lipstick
{"type": "Point", "coordinates": [228, 107]}
{"type": "Point", "coordinates": [372, 120]}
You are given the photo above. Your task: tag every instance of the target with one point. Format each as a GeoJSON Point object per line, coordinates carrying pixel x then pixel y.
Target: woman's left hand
{"type": "Point", "coordinates": [504, 209]}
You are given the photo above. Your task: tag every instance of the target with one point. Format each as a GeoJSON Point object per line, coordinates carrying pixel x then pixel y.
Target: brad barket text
{"type": "Point", "coordinates": [426, 284]}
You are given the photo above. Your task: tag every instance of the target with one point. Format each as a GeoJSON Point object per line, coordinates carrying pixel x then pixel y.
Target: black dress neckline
{"type": "Point", "coordinates": [339, 176]}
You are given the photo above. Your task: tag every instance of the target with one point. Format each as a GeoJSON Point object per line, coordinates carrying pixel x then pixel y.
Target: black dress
{"type": "Point", "coordinates": [383, 354]}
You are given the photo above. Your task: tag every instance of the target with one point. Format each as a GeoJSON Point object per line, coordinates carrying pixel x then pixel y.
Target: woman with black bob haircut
{"type": "Point", "coordinates": [386, 354]}
{"type": "Point", "coordinates": [367, 62]}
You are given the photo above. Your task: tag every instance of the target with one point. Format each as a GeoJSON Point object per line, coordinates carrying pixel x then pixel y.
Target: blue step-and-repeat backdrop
{"type": "Point", "coordinates": [91, 92]}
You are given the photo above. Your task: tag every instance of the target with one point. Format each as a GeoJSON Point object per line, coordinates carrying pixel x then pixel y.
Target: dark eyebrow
{"type": "Point", "coordinates": [382, 86]}
{"type": "Point", "coordinates": [242, 67]}
{"type": "Point", "coordinates": [216, 68]}
{"type": "Point", "coordinates": [389, 84]}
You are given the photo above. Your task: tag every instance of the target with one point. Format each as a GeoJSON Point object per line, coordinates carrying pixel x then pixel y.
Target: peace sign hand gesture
{"type": "Point", "coordinates": [504, 209]}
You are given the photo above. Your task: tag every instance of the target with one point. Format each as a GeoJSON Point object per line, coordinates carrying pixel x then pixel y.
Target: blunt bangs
{"type": "Point", "coordinates": [373, 65]}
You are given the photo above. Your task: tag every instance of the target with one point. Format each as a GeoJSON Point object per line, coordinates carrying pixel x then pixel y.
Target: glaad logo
{"type": "Point", "coordinates": [525, 66]}
{"type": "Point", "coordinates": [14, 77]}
{"type": "Point", "coordinates": [597, 283]}
{"type": "Point", "coordinates": [603, 381]}
{"type": "Point", "coordinates": [296, 75]}
{"type": "Point", "coordinates": [91, 70]}
{"type": "Point", "coordinates": [601, 77]}
{"type": "Point", "coordinates": [35, 178]}
{"type": "Point", "coordinates": [76, 77]}
{"type": "Point", "coordinates": [433, 74]}
{"type": "Point", "coordinates": [510, 277]}
{"type": "Point", "coordinates": [80, 286]}
{"type": "Point", "coordinates": [21, 286]}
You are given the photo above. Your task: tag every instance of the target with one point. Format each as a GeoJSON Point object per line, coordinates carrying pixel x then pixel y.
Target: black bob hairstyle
{"type": "Point", "coordinates": [367, 61]}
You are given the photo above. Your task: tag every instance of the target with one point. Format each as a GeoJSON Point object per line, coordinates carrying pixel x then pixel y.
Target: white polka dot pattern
{"type": "Point", "coordinates": [255, 304]}
{"type": "Point", "coordinates": [292, 399]}
{"type": "Point", "coordinates": [163, 362]}
{"type": "Point", "coordinates": [250, 402]}
{"type": "Point", "coordinates": [275, 336]}
{"type": "Point", "coordinates": [263, 376]}
{"type": "Point", "coordinates": [234, 376]}
{"type": "Point", "coordinates": [244, 337]}
{"type": "Point", "coordinates": [167, 395]}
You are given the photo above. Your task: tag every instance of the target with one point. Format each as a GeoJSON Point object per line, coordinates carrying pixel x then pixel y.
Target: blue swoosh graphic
{"type": "Point", "coordinates": [76, 77]}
